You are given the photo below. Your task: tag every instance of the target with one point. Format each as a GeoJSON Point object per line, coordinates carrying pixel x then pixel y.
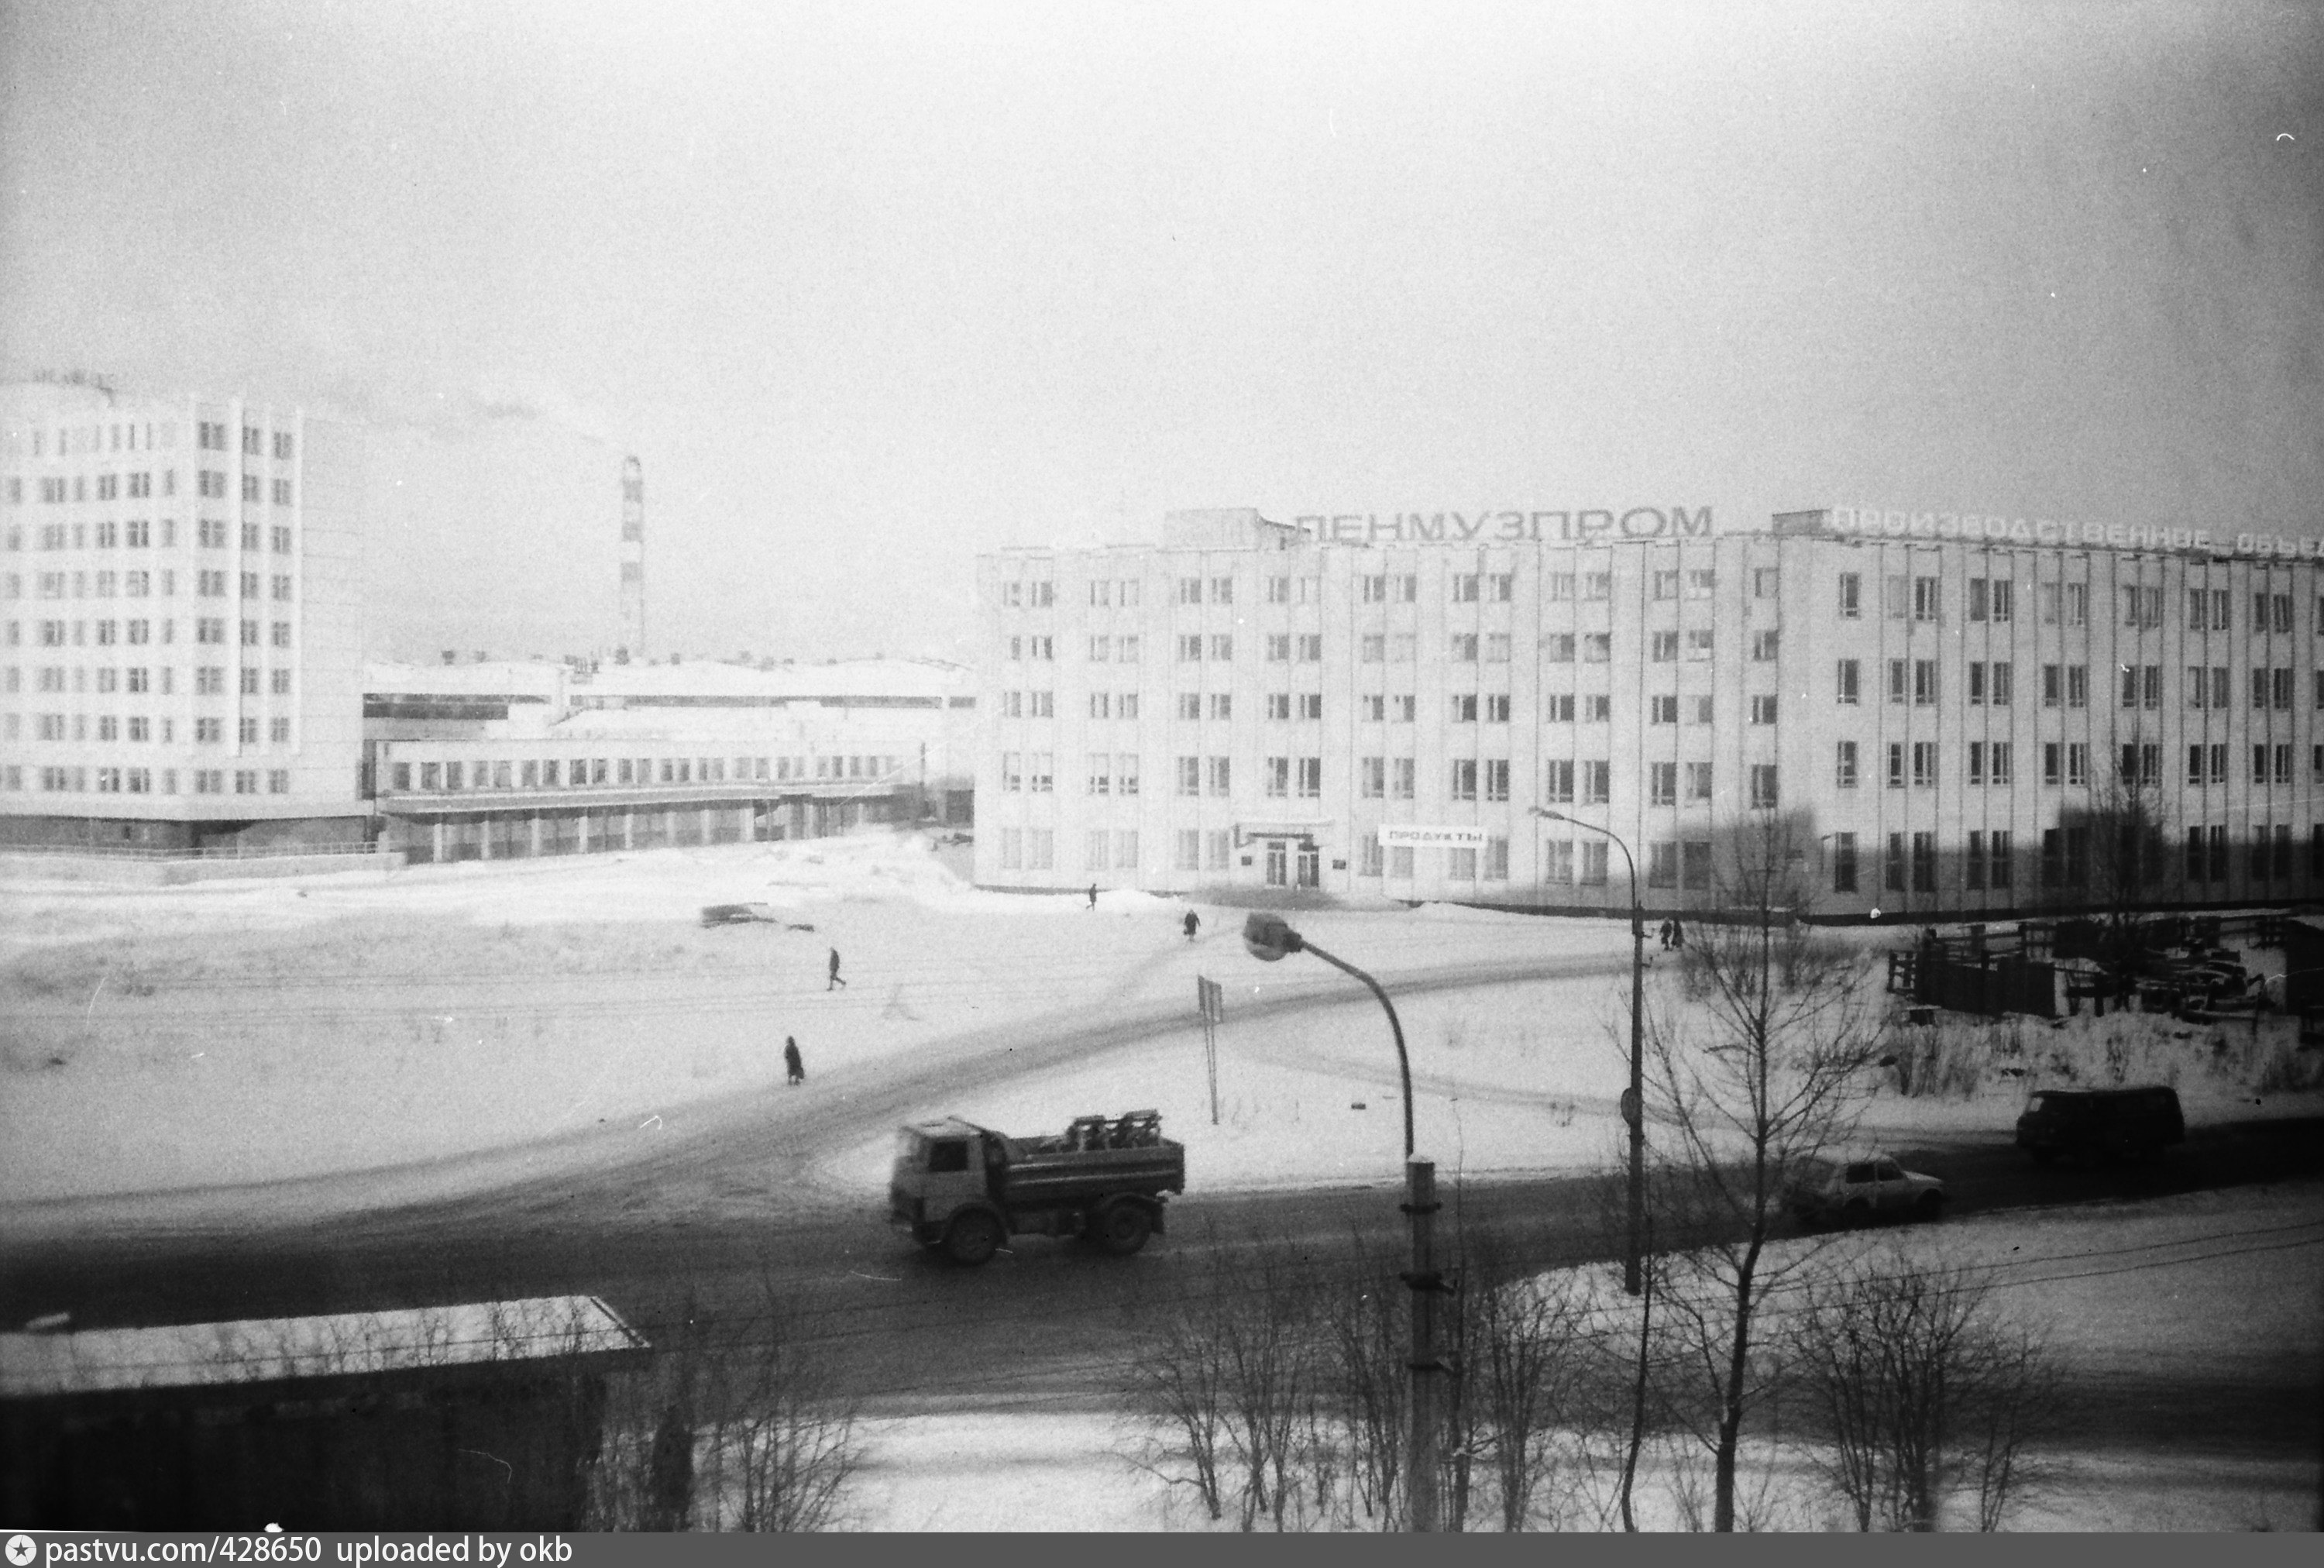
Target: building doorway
{"type": "Point", "coordinates": [1279, 865]}
{"type": "Point", "coordinates": [1311, 867]}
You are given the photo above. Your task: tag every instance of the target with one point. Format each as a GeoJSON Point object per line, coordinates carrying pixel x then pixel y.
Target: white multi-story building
{"type": "Point", "coordinates": [181, 605]}
{"type": "Point", "coordinates": [1938, 708]}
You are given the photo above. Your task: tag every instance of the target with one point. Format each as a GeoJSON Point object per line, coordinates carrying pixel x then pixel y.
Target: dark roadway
{"type": "Point", "coordinates": [1047, 1321]}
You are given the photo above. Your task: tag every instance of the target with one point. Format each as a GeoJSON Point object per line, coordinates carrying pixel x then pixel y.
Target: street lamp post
{"type": "Point", "coordinates": [1633, 1099]}
{"type": "Point", "coordinates": [1270, 937]}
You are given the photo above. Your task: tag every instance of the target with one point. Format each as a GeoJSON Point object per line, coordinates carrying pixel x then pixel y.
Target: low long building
{"type": "Point", "coordinates": [1946, 716]}
{"type": "Point", "coordinates": [490, 761]}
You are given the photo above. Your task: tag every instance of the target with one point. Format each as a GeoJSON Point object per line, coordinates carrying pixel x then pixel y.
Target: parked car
{"type": "Point", "coordinates": [2096, 1124]}
{"type": "Point", "coordinates": [1855, 1192]}
{"type": "Point", "coordinates": [735, 914]}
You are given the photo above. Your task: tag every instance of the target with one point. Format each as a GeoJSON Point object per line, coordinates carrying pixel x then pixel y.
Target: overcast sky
{"type": "Point", "coordinates": [870, 290]}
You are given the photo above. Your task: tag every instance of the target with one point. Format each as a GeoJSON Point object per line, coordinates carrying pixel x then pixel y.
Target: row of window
{"type": "Point", "coordinates": [208, 680]}
{"type": "Point", "coordinates": [139, 533]}
{"type": "Point", "coordinates": [109, 781]}
{"type": "Point", "coordinates": [587, 773]}
{"type": "Point", "coordinates": [1381, 778]}
{"type": "Point", "coordinates": [207, 628]}
{"type": "Point", "coordinates": [140, 585]}
{"type": "Point", "coordinates": [1922, 598]}
{"type": "Point", "coordinates": [211, 436]}
{"type": "Point", "coordinates": [138, 729]}
{"type": "Point", "coordinates": [1988, 858]}
{"type": "Point", "coordinates": [1381, 588]}
{"type": "Point", "coordinates": [56, 490]}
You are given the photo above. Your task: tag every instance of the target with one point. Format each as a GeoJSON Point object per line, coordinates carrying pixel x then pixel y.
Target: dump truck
{"type": "Point", "coordinates": [967, 1189]}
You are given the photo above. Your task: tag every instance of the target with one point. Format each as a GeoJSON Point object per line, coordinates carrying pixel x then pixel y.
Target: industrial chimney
{"type": "Point", "coordinates": [633, 559]}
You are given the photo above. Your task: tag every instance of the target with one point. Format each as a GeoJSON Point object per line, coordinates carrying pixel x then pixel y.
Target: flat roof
{"type": "Point", "coordinates": [276, 1350]}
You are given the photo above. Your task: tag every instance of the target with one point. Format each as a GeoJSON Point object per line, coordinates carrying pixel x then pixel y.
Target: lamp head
{"type": "Point", "coordinates": [1269, 937]}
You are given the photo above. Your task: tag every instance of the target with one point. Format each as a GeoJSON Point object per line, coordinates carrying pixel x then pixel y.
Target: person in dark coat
{"type": "Point", "coordinates": [792, 1062]}
{"type": "Point", "coordinates": [1678, 936]}
{"type": "Point", "coordinates": [834, 978]}
{"type": "Point", "coordinates": [1192, 920]}
{"type": "Point", "coordinates": [1667, 934]}
{"type": "Point", "coordinates": [1093, 903]}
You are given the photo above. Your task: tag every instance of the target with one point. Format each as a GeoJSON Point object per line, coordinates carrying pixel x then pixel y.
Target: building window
{"type": "Point", "coordinates": [1844, 766]}
{"type": "Point", "coordinates": [1557, 648]}
{"type": "Point", "coordinates": [2077, 686]}
{"type": "Point", "coordinates": [1924, 683]}
{"type": "Point", "coordinates": [1221, 776]}
{"type": "Point", "coordinates": [1666, 584]}
{"type": "Point", "coordinates": [1698, 780]}
{"type": "Point", "coordinates": [1849, 672]}
{"type": "Point", "coordinates": [1594, 856]}
{"type": "Point", "coordinates": [1497, 777]}
{"type": "Point", "coordinates": [1927, 599]}
{"type": "Point", "coordinates": [1851, 596]}
{"type": "Point", "coordinates": [1843, 863]}
{"type": "Point", "coordinates": [1598, 648]}
{"type": "Point", "coordinates": [1406, 778]}
{"type": "Point", "coordinates": [1924, 764]}
{"type": "Point", "coordinates": [1662, 864]}
{"type": "Point", "coordinates": [1765, 796]}
{"type": "Point", "coordinates": [1895, 764]}
{"type": "Point", "coordinates": [1596, 783]}
{"type": "Point", "coordinates": [1662, 783]}
{"type": "Point", "coordinates": [1464, 587]}
{"type": "Point", "coordinates": [1557, 783]}
{"type": "Point", "coordinates": [1763, 708]}
{"type": "Point", "coordinates": [1764, 646]}
{"type": "Point", "coordinates": [1664, 649]}
{"type": "Point", "coordinates": [1698, 645]}
{"type": "Point", "coordinates": [1663, 709]}
{"type": "Point", "coordinates": [1464, 779]}
{"type": "Point", "coordinates": [1898, 679]}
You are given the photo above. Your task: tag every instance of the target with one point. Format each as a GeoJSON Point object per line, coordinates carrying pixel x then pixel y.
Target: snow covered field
{"type": "Point", "coordinates": [231, 1032]}
{"type": "Point", "coordinates": [155, 1040]}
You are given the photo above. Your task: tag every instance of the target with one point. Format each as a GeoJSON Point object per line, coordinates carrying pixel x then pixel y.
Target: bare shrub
{"type": "Point", "coordinates": [1921, 1391]}
{"type": "Point", "coordinates": [1229, 1378]}
{"type": "Point", "coordinates": [733, 1425]}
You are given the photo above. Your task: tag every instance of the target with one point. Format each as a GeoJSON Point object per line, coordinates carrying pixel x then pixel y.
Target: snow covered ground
{"type": "Point", "coordinates": [154, 1040]}
{"type": "Point", "coordinates": [2118, 1289]}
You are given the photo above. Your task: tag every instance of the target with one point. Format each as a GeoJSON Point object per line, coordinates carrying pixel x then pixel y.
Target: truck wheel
{"type": "Point", "coordinates": [1122, 1229]}
{"type": "Point", "coordinates": [973, 1239]}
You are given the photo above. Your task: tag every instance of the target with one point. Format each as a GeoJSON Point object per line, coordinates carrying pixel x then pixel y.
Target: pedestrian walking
{"type": "Point", "coordinates": [1678, 936]}
{"type": "Point", "coordinates": [1093, 903]}
{"type": "Point", "coordinates": [833, 980]}
{"type": "Point", "coordinates": [1666, 935]}
{"type": "Point", "coordinates": [1192, 920]}
{"type": "Point", "coordinates": [792, 1062]}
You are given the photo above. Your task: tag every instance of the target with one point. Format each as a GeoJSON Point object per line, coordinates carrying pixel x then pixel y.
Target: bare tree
{"type": "Point", "coordinates": [2129, 861]}
{"type": "Point", "coordinates": [1922, 1390]}
{"type": "Point", "coordinates": [1231, 1378]}
{"type": "Point", "coordinates": [781, 1442]}
{"type": "Point", "coordinates": [1365, 1382]}
{"type": "Point", "coordinates": [1772, 1077]}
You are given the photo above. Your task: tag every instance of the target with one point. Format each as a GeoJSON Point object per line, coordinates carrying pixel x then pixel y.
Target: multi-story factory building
{"type": "Point", "coordinates": [1949, 715]}
{"type": "Point", "coordinates": [180, 608]}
